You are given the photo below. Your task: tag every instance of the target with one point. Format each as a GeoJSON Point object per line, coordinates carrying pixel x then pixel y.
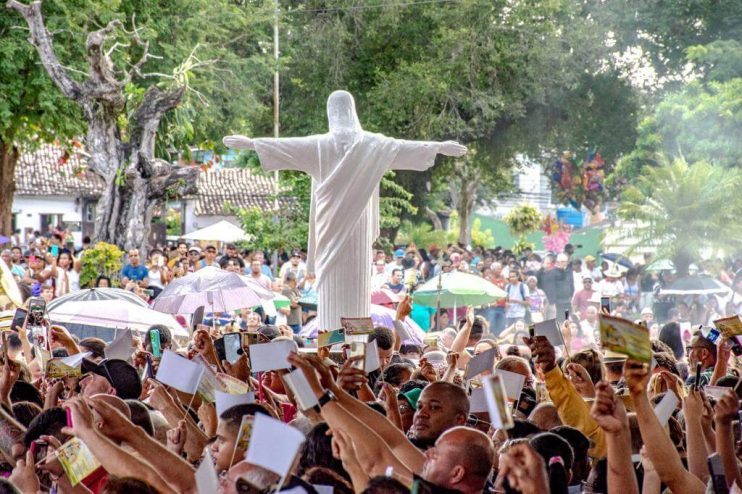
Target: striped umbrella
{"type": "Point", "coordinates": [90, 294]}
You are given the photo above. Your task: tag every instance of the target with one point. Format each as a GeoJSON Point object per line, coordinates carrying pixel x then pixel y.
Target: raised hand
{"type": "Point", "coordinates": [727, 407]}
{"type": "Point", "coordinates": [239, 370]}
{"type": "Point", "coordinates": [543, 351]}
{"type": "Point", "coordinates": [404, 308]}
{"type": "Point", "coordinates": [581, 380]}
{"type": "Point", "coordinates": [608, 411]}
{"type": "Point", "coordinates": [452, 359]}
{"type": "Point", "coordinates": [673, 383]}
{"type": "Point", "coordinates": [351, 377]}
{"type": "Point", "coordinates": [637, 377]}
{"type": "Point", "coordinates": [24, 476]}
{"type": "Point", "coordinates": [693, 404]}
{"type": "Point", "coordinates": [176, 438]}
{"type": "Point", "coordinates": [238, 142]}
{"type": "Point", "coordinates": [525, 470]}
{"type": "Point", "coordinates": [301, 362]}
{"type": "Point", "coordinates": [114, 424]}
{"type": "Point", "coordinates": [83, 421]}
{"type": "Point", "coordinates": [452, 148]}
{"type": "Point", "coordinates": [427, 371]}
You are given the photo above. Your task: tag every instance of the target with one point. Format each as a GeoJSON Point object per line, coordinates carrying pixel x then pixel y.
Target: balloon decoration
{"type": "Point", "coordinates": [579, 185]}
{"type": "Point", "coordinates": [556, 234]}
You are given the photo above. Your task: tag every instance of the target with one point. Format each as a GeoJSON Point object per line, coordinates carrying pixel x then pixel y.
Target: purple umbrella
{"type": "Point", "coordinates": [381, 316]}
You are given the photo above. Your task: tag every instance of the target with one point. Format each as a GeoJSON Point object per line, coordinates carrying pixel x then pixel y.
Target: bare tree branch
{"type": "Point", "coordinates": [42, 40]}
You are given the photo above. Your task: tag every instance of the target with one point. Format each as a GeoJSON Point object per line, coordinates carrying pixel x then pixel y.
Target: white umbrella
{"type": "Point", "coordinates": [216, 289]}
{"type": "Point", "coordinates": [223, 231]}
{"type": "Point", "coordinates": [90, 294]}
{"type": "Point", "coordinates": [114, 314]}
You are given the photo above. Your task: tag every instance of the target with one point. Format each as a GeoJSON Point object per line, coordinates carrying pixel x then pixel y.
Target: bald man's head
{"type": "Point", "coordinates": [545, 416]}
{"type": "Point", "coordinates": [461, 459]}
{"type": "Point", "coordinates": [442, 405]}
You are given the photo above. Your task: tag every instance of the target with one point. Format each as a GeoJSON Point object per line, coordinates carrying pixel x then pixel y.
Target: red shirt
{"type": "Point", "coordinates": [500, 282]}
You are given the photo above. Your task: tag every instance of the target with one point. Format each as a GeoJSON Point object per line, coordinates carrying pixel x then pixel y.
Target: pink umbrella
{"type": "Point", "coordinates": [381, 316]}
{"type": "Point", "coordinates": [384, 297]}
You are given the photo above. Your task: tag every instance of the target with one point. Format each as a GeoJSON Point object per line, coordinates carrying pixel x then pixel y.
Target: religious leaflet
{"type": "Point", "coordinates": [357, 328]}
{"type": "Point", "coordinates": [330, 338]}
{"type": "Point", "coordinates": [622, 336]}
{"type": "Point", "coordinates": [729, 326]}
{"type": "Point", "coordinates": [66, 367]}
{"type": "Point", "coordinates": [497, 403]}
{"type": "Point", "coordinates": [77, 461]}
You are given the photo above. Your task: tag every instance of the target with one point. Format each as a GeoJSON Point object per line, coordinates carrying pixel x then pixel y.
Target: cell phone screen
{"type": "Point", "coordinates": [232, 347]}
{"type": "Point", "coordinates": [605, 304]}
{"type": "Point", "coordinates": [18, 319]}
{"type": "Point", "coordinates": [154, 338]}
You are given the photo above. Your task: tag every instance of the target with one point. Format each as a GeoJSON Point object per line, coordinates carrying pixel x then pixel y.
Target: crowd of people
{"type": "Point", "coordinates": [585, 419]}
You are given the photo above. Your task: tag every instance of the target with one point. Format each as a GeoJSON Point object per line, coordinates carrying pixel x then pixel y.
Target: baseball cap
{"type": "Point", "coordinates": [698, 341]}
{"type": "Point", "coordinates": [589, 258]}
{"type": "Point", "coordinates": [399, 253]}
{"type": "Point", "coordinates": [587, 277]}
{"type": "Point", "coordinates": [195, 249]}
{"type": "Point", "coordinates": [646, 311]}
{"type": "Point", "coordinates": [120, 374]}
{"type": "Point", "coordinates": [412, 396]}
{"type": "Point", "coordinates": [296, 253]}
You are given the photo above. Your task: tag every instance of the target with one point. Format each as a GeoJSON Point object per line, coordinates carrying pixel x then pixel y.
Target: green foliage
{"type": "Point", "coordinates": [692, 208]}
{"type": "Point", "coordinates": [103, 259]}
{"type": "Point", "coordinates": [523, 219]}
{"type": "Point", "coordinates": [173, 222]}
{"type": "Point", "coordinates": [421, 234]}
{"type": "Point", "coordinates": [521, 245]}
{"type": "Point", "coordinates": [394, 200]}
{"type": "Point", "coordinates": [482, 238]}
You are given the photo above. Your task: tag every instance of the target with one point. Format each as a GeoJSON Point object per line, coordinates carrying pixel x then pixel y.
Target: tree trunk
{"type": "Point", "coordinates": [136, 182]}
{"type": "Point", "coordinates": [464, 194]}
{"type": "Point", "coordinates": [682, 261]}
{"type": "Point", "coordinates": [434, 219]}
{"type": "Point", "coordinates": [8, 161]}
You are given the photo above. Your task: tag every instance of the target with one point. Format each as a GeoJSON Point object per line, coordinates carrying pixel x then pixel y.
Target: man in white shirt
{"type": "Point", "coordinates": [295, 265]}
{"type": "Point", "coordinates": [379, 277]}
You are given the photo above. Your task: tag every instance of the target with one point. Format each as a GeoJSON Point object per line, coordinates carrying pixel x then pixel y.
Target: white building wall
{"type": "Point", "coordinates": [193, 222]}
{"type": "Point", "coordinates": [28, 211]}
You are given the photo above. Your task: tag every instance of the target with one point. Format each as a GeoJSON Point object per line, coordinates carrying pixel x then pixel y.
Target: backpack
{"type": "Point", "coordinates": [522, 292]}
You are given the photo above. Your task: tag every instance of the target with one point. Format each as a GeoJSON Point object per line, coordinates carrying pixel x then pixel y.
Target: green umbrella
{"type": "Point", "coordinates": [280, 301]}
{"type": "Point", "coordinates": [457, 289]}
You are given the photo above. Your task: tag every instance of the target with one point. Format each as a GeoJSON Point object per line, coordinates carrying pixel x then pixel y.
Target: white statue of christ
{"type": "Point", "coordinates": [346, 166]}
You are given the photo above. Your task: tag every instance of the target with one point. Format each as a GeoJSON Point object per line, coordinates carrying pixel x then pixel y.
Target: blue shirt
{"type": "Point", "coordinates": [134, 273]}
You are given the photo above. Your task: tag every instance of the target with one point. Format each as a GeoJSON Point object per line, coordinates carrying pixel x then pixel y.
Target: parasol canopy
{"type": "Point", "coordinates": [457, 290]}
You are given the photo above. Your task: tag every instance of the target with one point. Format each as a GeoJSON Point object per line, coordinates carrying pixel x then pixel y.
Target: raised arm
{"type": "Point", "coordinates": [173, 469]}
{"type": "Point", "coordinates": [659, 447]}
{"type": "Point", "coordinates": [115, 460]}
{"type": "Point", "coordinates": [610, 414]}
{"type": "Point", "coordinates": [726, 411]}
{"type": "Point", "coordinates": [392, 447]}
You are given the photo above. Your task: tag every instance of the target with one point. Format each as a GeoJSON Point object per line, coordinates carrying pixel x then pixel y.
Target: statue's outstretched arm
{"type": "Point", "coordinates": [238, 142]}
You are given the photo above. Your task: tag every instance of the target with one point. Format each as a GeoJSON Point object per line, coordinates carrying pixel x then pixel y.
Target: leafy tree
{"type": "Point", "coordinates": [196, 56]}
{"type": "Point", "coordinates": [692, 208]}
{"type": "Point", "coordinates": [31, 109]}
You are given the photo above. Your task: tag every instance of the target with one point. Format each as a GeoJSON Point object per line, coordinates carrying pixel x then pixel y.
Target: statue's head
{"type": "Point", "coordinates": [341, 113]}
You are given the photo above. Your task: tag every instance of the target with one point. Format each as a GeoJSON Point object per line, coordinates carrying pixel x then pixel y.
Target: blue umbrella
{"type": "Point", "coordinates": [618, 259]}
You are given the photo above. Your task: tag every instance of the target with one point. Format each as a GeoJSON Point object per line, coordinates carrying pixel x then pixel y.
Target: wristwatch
{"type": "Point", "coordinates": [327, 397]}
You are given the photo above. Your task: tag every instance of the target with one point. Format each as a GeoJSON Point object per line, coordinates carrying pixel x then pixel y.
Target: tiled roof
{"type": "Point", "coordinates": [45, 172]}
{"type": "Point", "coordinates": [238, 187]}
{"type": "Point", "coordinates": [49, 170]}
